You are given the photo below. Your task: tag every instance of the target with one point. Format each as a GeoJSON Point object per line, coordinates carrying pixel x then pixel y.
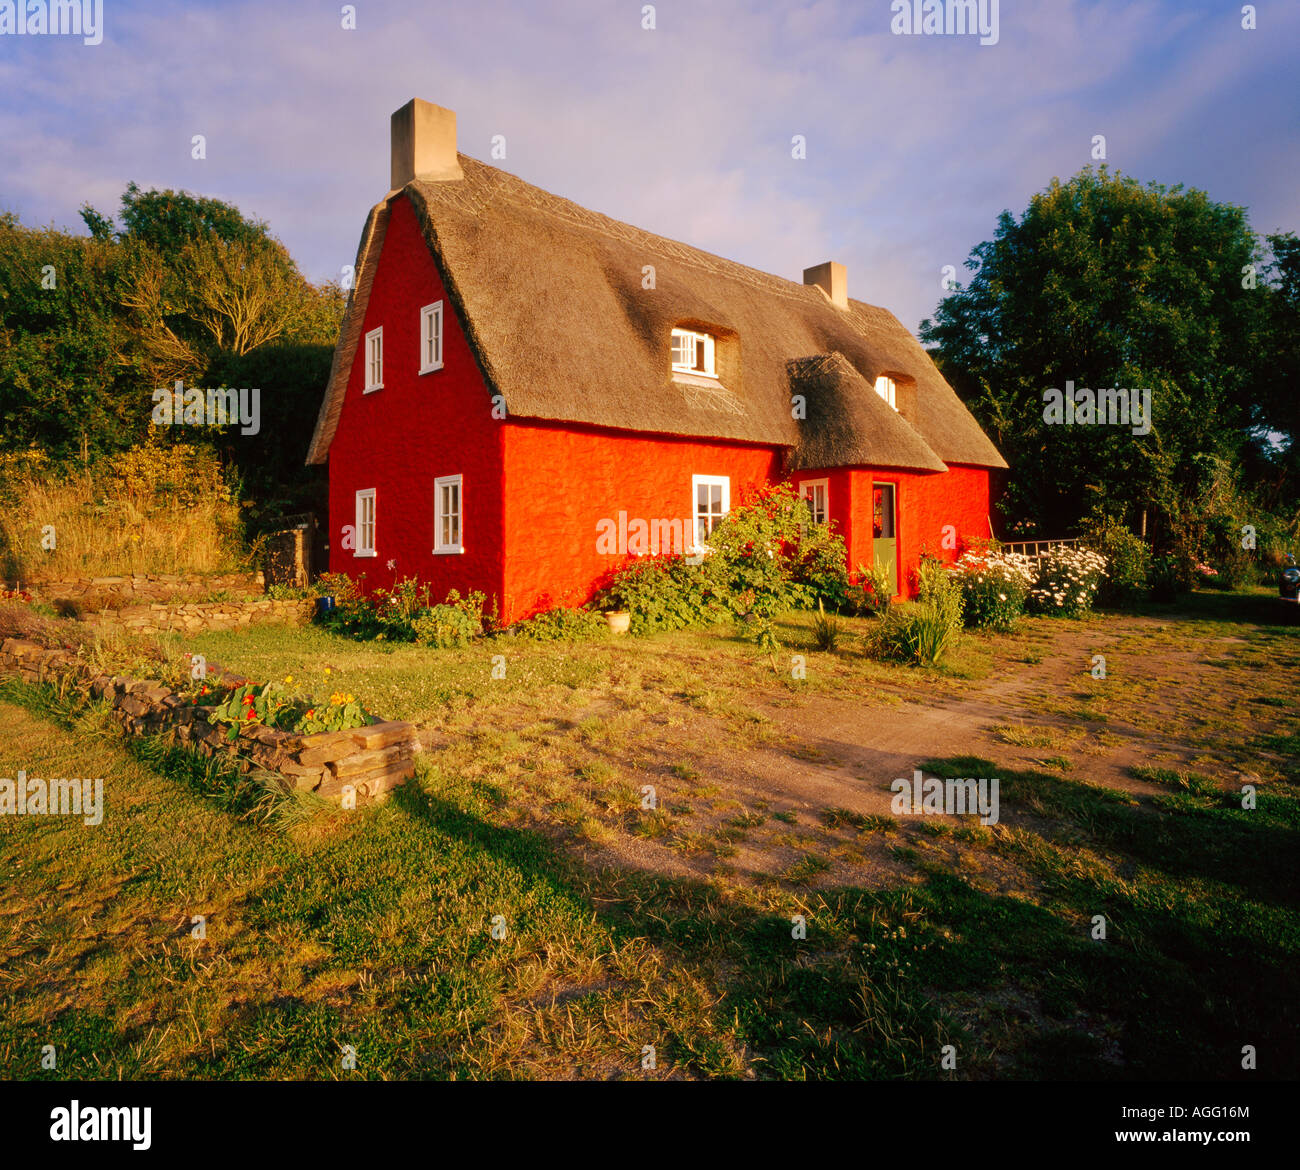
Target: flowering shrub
{"type": "Point", "coordinates": [1068, 577]}
{"type": "Point", "coordinates": [1207, 574]}
{"type": "Point", "coordinates": [401, 614]}
{"type": "Point", "coordinates": [994, 586]}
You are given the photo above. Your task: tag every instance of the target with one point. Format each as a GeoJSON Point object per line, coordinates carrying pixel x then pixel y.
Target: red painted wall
{"type": "Point", "coordinates": [398, 440]}
{"type": "Point", "coordinates": [561, 481]}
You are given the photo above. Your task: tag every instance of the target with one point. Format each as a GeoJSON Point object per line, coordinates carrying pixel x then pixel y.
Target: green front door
{"type": "Point", "coordinates": [883, 526]}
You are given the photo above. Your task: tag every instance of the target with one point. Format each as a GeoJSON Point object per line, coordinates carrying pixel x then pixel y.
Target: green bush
{"type": "Point", "coordinates": [664, 593]}
{"type": "Point", "coordinates": [1128, 561]}
{"type": "Point", "coordinates": [918, 632]}
{"type": "Point", "coordinates": [563, 624]}
{"type": "Point", "coordinates": [937, 586]}
{"type": "Point", "coordinates": [444, 626]}
{"type": "Point", "coordinates": [765, 557]}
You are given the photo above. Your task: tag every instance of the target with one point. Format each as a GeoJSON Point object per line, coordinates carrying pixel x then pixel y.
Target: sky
{"type": "Point", "coordinates": [914, 143]}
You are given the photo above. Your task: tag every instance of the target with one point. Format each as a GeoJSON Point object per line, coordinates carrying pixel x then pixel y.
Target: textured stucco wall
{"type": "Point", "coordinates": [398, 440]}
{"type": "Point", "coordinates": [561, 483]}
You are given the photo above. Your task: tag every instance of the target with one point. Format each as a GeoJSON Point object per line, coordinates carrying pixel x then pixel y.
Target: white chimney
{"type": "Point", "coordinates": [832, 279]}
{"type": "Point", "coordinates": [423, 140]}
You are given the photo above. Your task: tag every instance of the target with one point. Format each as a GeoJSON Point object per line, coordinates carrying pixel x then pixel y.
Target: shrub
{"type": "Point", "coordinates": [1068, 578]}
{"type": "Point", "coordinates": [1169, 576]}
{"type": "Point", "coordinates": [443, 626]}
{"type": "Point", "coordinates": [918, 632]}
{"type": "Point", "coordinates": [937, 586]}
{"type": "Point", "coordinates": [567, 624]}
{"type": "Point", "coordinates": [994, 587]}
{"type": "Point", "coordinates": [665, 593]}
{"type": "Point", "coordinates": [1128, 561]}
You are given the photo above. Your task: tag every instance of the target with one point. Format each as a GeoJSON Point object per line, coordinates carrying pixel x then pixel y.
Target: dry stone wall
{"type": "Point", "coordinates": [372, 759]}
{"type": "Point", "coordinates": [142, 587]}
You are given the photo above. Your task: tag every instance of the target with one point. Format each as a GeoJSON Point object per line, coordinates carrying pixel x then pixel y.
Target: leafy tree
{"type": "Point", "coordinates": [1107, 283]}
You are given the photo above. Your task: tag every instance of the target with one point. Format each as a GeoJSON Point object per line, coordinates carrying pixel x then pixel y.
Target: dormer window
{"type": "Point", "coordinates": [888, 390]}
{"type": "Point", "coordinates": [693, 353]}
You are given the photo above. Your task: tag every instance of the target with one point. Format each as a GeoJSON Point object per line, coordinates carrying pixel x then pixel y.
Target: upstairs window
{"type": "Point", "coordinates": [693, 353]}
{"type": "Point", "coordinates": [375, 359]}
{"type": "Point", "coordinates": [888, 390]}
{"type": "Point", "coordinates": [431, 338]}
{"type": "Point", "coordinates": [816, 494]}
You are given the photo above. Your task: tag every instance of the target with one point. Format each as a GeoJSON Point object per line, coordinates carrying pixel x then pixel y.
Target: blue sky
{"type": "Point", "coordinates": [914, 143]}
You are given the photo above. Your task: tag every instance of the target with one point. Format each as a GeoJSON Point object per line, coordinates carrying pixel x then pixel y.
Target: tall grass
{"type": "Point", "coordinates": [153, 509]}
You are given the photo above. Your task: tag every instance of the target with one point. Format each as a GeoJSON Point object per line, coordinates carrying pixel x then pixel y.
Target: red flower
{"type": "Point", "coordinates": [251, 715]}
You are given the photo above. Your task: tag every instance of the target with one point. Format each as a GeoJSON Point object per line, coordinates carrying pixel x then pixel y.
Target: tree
{"type": "Point", "coordinates": [1105, 283]}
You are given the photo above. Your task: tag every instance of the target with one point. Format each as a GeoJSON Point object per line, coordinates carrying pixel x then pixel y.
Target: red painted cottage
{"type": "Point", "coordinates": [526, 392]}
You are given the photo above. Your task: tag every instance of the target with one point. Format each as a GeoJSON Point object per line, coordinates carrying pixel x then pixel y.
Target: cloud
{"type": "Point", "coordinates": [915, 144]}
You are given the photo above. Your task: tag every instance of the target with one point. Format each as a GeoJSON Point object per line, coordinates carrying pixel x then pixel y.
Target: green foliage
{"type": "Point", "coordinates": [664, 593]}
{"type": "Point", "coordinates": [765, 557]}
{"type": "Point", "coordinates": [937, 587]}
{"type": "Point", "coordinates": [1128, 559]}
{"type": "Point", "coordinates": [919, 632]}
{"type": "Point", "coordinates": [826, 629]}
{"type": "Point", "coordinates": [561, 624]}
{"type": "Point", "coordinates": [1108, 283]}
{"type": "Point", "coordinates": [403, 613]}
{"type": "Point", "coordinates": [274, 705]}
{"type": "Point", "coordinates": [445, 626]}
{"type": "Point", "coordinates": [190, 289]}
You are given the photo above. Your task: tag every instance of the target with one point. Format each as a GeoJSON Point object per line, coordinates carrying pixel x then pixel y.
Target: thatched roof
{"type": "Point", "coordinates": [551, 298]}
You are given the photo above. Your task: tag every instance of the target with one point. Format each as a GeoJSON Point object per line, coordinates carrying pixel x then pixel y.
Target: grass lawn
{"type": "Point", "coordinates": [674, 926]}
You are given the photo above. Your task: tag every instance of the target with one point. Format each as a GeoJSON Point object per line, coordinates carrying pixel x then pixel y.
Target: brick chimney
{"type": "Point", "coordinates": [423, 140]}
{"type": "Point", "coordinates": [832, 280]}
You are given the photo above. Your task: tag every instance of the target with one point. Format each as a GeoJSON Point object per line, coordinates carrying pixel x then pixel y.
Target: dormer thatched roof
{"type": "Point", "coordinates": [552, 300]}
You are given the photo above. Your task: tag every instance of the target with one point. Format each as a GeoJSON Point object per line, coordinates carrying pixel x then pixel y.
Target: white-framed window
{"type": "Point", "coordinates": [712, 501]}
{"type": "Point", "coordinates": [375, 359]}
{"type": "Point", "coordinates": [448, 510]}
{"type": "Point", "coordinates": [693, 353]}
{"type": "Point", "coordinates": [365, 538]}
{"type": "Point", "coordinates": [431, 338]}
{"type": "Point", "coordinates": [888, 390]}
{"type": "Point", "coordinates": [817, 492]}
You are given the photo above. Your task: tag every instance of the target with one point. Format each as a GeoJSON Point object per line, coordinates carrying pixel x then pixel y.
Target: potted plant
{"type": "Point", "coordinates": [612, 604]}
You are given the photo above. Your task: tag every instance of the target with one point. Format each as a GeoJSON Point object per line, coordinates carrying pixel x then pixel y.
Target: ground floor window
{"type": "Point", "coordinates": [817, 494]}
{"type": "Point", "coordinates": [712, 502]}
{"type": "Point", "coordinates": [447, 514]}
{"type": "Point", "coordinates": [365, 530]}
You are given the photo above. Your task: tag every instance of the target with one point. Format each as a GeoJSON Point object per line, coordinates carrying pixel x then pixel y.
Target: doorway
{"type": "Point", "coordinates": [884, 531]}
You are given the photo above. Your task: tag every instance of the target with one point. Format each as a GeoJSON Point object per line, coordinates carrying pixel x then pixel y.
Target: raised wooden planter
{"type": "Point", "coordinates": [371, 759]}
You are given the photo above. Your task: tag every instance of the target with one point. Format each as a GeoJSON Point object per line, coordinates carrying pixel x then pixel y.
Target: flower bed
{"type": "Point", "coordinates": [320, 748]}
{"type": "Point", "coordinates": [1068, 578]}
{"type": "Point", "coordinates": [995, 586]}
